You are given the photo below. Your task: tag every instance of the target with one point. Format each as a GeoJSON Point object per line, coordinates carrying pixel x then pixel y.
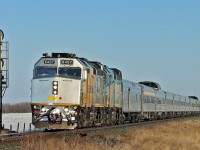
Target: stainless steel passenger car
{"type": "Point", "coordinates": [154, 103]}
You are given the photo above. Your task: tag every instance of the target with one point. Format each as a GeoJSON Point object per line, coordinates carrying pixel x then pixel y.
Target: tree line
{"type": "Point", "coordinates": [22, 107]}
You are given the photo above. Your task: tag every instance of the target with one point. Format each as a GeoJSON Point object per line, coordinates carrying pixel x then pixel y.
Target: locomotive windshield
{"type": "Point", "coordinates": [45, 71]}
{"type": "Point", "coordinates": [63, 71]}
{"type": "Point", "coordinates": [70, 72]}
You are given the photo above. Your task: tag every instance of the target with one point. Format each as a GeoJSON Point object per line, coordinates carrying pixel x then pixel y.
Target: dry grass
{"type": "Point", "coordinates": [172, 135]}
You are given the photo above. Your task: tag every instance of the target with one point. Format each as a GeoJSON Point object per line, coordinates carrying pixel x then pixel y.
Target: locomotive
{"type": "Point", "coordinates": [69, 92]}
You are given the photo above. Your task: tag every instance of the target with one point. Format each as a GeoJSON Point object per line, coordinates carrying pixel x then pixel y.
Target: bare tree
{"type": "Point", "coordinates": [23, 107]}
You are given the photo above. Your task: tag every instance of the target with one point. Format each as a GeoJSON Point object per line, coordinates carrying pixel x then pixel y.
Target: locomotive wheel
{"type": "Point", "coordinates": [97, 117]}
{"type": "Point", "coordinates": [109, 117]}
{"type": "Point", "coordinates": [121, 119]}
{"type": "Point", "coordinates": [104, 117]}
{"type": "Point", "coordinates": [114, 117]}
{"type": "Point", "coordinates": [134, 118]}
{"type": "Point", "coordinates": [82, 121]}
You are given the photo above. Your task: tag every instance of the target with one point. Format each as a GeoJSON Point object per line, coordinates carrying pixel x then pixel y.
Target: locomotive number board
{"type": "Point", "coordinates": [49, 61]}
{"type": "Point", "coordinates": [66, 62]}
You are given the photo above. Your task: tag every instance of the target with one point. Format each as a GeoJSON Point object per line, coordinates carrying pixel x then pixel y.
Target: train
{"type": "Point", "coordinates": [69, 92]}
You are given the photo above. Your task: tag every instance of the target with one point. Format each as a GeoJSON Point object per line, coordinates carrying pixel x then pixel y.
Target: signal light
{"type": "Point", "coordinates": [2, 80]}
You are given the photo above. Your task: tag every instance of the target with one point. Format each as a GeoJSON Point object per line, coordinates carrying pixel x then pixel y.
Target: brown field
{"type": "Point", "coordinates": [171, 135]}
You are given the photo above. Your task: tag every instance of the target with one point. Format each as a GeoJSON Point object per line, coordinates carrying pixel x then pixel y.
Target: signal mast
{"type": "Point", "coordinates": [4, 71]}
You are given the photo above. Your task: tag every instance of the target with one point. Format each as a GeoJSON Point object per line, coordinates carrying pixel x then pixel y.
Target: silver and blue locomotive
{"type": "Point", "coordinates": [69, 92]}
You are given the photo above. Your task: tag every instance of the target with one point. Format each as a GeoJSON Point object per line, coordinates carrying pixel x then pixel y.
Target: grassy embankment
{"type": "Point", "coordinates": [172, 135]}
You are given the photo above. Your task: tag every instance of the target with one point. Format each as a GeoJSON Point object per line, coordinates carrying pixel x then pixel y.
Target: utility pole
{"type": "Point", "coordinates": [4, 71]}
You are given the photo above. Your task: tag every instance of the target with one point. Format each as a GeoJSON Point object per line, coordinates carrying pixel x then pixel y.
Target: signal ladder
{"type": "Point", "coordinates": [5, 66]}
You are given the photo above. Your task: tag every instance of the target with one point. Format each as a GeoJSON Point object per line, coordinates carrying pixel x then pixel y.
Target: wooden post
{"type": "Point", "coordinates": [18, 127]}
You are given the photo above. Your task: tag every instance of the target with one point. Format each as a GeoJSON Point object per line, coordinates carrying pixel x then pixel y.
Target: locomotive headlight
{"type": "Point", "coordinates": [55, 92]}
{"type": "Point", "coordinates": [55, 87]}
{"type": "Point", "coordinates": [55, 82]}
{"type": "Point", "coordinates": [43, 109]}
{"type": "Point", "coordinates": [66, 109]}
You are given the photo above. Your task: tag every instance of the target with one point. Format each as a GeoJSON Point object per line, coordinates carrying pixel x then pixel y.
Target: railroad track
{"type": "Point", "coordinates": [77, 134]}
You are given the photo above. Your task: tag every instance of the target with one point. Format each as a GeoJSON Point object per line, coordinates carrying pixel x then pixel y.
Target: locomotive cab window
{"type": "Point", "coordinates": [45, 71]}
{"type": "Point", "coordinates": [70, 72]}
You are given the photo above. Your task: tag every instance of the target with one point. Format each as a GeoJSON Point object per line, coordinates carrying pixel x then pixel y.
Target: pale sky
{"type": "Point", "coordinates": [147, 40]}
